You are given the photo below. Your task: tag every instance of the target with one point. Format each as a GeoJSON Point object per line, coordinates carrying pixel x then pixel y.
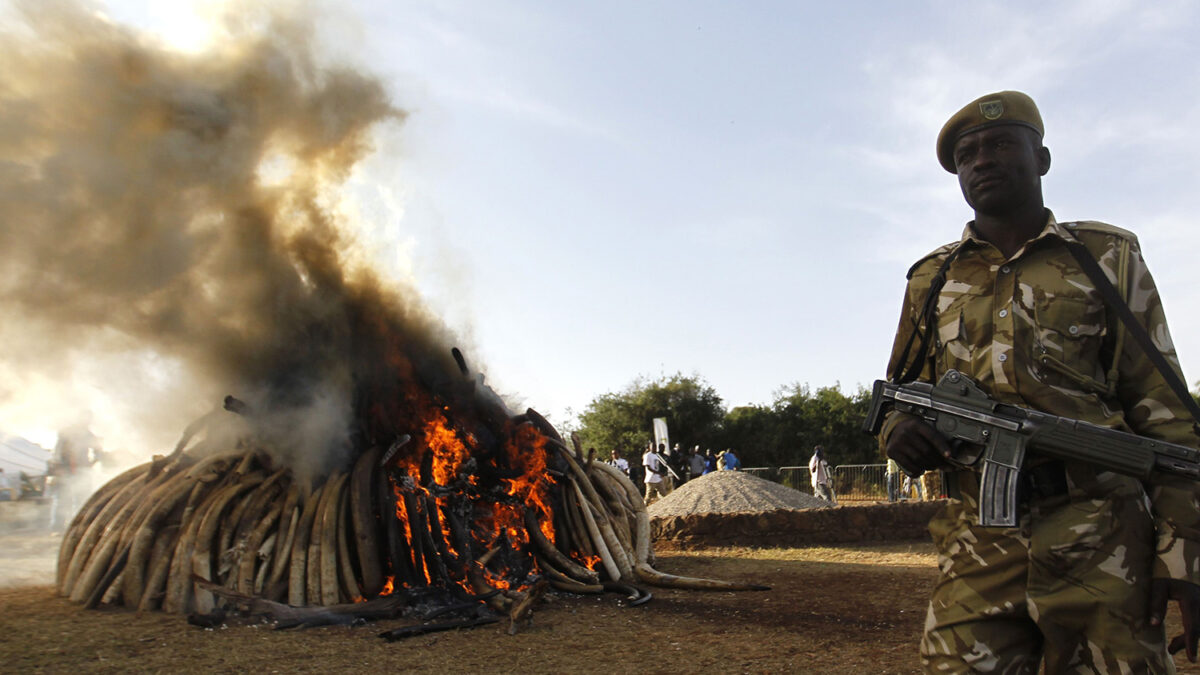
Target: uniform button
{"type": "Point", "coordinates": [1003, 358]}
{"type": "Point", "coordinates": [1073, 330]}
{"type": "Point", "coordinates": [1005, 269]}
{"type": "Point", "coordinates": [1003, 313]}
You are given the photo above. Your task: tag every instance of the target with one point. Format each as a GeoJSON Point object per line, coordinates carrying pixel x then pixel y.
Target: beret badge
{"type": "Point", "coordinates": [991, 110]}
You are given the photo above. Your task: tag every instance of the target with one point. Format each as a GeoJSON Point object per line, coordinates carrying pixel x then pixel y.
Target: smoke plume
{"type": "Point", "coordinates": [170, 234]}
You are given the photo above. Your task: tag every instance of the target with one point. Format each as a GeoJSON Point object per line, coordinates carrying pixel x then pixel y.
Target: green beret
{"type": "Point", "coordinates": [1003, 107]}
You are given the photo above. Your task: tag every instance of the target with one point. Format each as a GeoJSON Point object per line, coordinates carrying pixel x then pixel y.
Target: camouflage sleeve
{"type": "Point", "coordinates": [1152, 409]}
{"type": "Point", "coordinates": [914, 295]}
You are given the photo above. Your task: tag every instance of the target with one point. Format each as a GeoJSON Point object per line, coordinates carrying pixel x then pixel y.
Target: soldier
{"type": "Point", "coordinates": [1082, 583]}
{"type": "Point", "coordinates": [69, 474]}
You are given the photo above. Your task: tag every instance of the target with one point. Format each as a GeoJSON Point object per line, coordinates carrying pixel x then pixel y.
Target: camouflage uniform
{"type": "Point", "coordinates": [1070, 584]}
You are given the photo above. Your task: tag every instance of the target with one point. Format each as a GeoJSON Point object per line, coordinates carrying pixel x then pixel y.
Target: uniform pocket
{"type": "Point", "coordinates": [954, 351]}
{"type": "Point", "coordinates": [1070, 332]}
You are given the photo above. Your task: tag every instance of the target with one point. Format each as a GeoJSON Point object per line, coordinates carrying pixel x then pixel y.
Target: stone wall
{"type": "Point", "coordinates": [901, 521]}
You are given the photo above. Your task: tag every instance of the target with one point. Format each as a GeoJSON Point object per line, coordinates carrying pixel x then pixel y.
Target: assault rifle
{"type": "Point", "coordinates": [994, 436]}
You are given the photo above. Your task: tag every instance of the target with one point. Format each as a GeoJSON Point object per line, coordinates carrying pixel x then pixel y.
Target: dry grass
{"type": "Point", "coordinates": [831, 610]}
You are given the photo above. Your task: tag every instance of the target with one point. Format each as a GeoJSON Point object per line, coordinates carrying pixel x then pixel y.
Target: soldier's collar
{"type": "Point", "coordinates": [1052, 229]}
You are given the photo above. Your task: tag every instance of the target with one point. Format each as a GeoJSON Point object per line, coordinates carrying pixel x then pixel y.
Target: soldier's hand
{"type": "Point", "coordinates": [1187, 595]}
{"type": "Point", "coordinates": [917, 447]}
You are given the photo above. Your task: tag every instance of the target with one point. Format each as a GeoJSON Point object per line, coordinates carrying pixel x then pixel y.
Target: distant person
{"type": "Point", "coordinates": [69, 474]}
{"type": "Point", "coordinates": [696, 463]}
{"type": "Point", "coordinates": [636, 472]}
{"type": "Point", "coordinates": [620, 462]}
{"type": "Point", "coordinates": [6, 489]}
{"type": "Point", "coordinates": [678, 460]}
{"type": "Point", "coordinates": [731, 461]}
{"type": "Point", "coordinates": [910, 485]}
{"type": "Point", "coordinates": [893, 480]}
{"type": "Point", "coordinates": [818, 468]}
{"type": "Point", "coordinates": [655, 469]}
{"type": "Point", "coordinates": [710, 461]}
{"type": "Point", "coordinates": [931, 483]}
{"type": "Point", "coordinates": [668, 476]}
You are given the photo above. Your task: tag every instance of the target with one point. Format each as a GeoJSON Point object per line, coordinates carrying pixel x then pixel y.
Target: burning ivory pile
{"type": "Point", "coordinates": [495, 520]}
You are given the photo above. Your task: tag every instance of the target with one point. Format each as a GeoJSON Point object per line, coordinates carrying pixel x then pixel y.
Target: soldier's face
{"type": "Point", "coordinates": [1000, 168]}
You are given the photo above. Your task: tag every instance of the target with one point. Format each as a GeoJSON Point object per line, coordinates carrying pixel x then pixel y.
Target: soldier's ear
{"type": "Point", "coordinates": [1043, 155]}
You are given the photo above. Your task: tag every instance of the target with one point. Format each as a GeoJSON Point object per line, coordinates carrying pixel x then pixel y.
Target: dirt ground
{"type": "Point", "coordinates": [831, 610]}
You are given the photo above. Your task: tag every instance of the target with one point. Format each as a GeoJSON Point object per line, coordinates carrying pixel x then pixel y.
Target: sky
{"type": "Point", "coordinates": [589, 193]}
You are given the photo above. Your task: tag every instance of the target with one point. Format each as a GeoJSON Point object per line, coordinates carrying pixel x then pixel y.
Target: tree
{"type": "Point", "coordinates": [624, 419]}
{"type": "Point", "coordinates": [827, 417]}
{"type": "Point", "coordinates": [753, 433]}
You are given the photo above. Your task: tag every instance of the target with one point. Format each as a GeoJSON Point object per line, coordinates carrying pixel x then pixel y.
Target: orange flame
{"type": "Point", "coordinates": [527, 450]}
{"type": "Point", "coordinates": [448, 451]}
{"type": "Point", "coordinates": [447, 446]}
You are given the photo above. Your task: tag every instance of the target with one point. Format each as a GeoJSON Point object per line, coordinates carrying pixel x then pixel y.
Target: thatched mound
{"type": "Point", "coordinates": [731, 492]}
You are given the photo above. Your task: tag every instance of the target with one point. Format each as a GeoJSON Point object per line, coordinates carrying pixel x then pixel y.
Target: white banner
{"type": "Point", "coordinates": [661, 438]}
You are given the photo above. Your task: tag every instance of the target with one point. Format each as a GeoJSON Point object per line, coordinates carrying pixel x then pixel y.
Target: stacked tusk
{"type": "Point", "coordinates": [185, 533]}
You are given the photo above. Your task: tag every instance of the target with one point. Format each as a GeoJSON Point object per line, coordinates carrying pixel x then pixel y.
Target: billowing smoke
{"type": "Point", "coordinates": [170, 235]}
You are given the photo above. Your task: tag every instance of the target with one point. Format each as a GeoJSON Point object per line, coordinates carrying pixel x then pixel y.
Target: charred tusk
{"type": "Point", "coordinates": [250, 557]}
{"type": "Point", "coordinates": [202, 555]}
{"type": "Point", "coordinates": [160, 561]}
{"type": "Point", "coordinates": [393, 449]}
{"type": "Point", "coordinates": [329, 537]}
{"type": "Point", "coordinates": [365, 526]}
{"type": "Point", "coordinates": [133, 583]}
{"type": "Point", "coordinates": [653, 576]}
{"type": "Point", "coordinates": [87, 541]}
{"type": "Point", "coordinates": [311, 581]}
{"type": "Point", "coordinates": [351, 585]}
{"type": "Point", "coordinates": [606, 556]}
{"type": "Point", "coordinates": [108, 543]}
{"type": "Point", "coordinates": [288, 518]}
{"type": "Point", "coordinates": [85, 517]}
{"type": "Point", "coordinates": [570, 567]}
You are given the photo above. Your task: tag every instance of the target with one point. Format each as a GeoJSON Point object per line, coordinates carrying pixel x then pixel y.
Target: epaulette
{"type": "Point", "coordinates": [1101, 228]}
{"type": "Point", "coordinates": [939, 252]}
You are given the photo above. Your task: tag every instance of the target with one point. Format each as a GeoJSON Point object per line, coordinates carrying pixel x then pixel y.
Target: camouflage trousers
{"type": "Point", "coordinates": [1068, 587]}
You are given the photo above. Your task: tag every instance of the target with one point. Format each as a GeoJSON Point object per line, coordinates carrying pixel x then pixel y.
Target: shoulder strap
{"type": "Point", "coordinates": [1098, 277]}
{"type": "Point", "coordinates": [906, 371]}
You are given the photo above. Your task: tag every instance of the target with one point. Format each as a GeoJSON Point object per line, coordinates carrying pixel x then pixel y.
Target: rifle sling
{"type": "Point", "coordinates": [904, 374]}
{"type": "Point", "coordinates": [1114, 300]}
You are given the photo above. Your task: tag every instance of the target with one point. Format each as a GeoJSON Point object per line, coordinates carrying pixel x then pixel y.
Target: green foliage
{"type": "Point", "coordinates": [781, 434]}
{"type": "Point", "coordinates": [785, 433]}
{"type": "Point", "coordinates": [624, 420]}
{"type": "Point", "coordinates": [827, 417]}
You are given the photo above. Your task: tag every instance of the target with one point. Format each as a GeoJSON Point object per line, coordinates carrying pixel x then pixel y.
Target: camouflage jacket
{"type": "Point", "coordinates": [1032, 330]}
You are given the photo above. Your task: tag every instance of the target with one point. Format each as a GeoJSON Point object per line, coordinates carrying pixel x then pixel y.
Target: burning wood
{"type": "Point", "coordinates": [494, 510]}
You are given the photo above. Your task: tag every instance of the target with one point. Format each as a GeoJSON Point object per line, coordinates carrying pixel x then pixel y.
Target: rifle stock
{"type": "Point", "coordinates": [997, 436]}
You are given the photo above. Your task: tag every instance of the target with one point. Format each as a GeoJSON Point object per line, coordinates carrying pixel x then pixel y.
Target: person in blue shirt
{"type": "Point", "coordinates": [731, 463]}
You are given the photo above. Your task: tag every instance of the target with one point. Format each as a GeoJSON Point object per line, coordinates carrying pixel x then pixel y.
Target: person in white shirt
{"type": "Point", "coordinates": [818, 468]}
{"type": "Point", "coordinates": [655, 470]}
{"type": "Point", "coordinates": [620, 462]}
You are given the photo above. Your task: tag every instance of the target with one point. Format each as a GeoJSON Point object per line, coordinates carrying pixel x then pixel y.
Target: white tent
{"type": "Point", "coordinates": [19, 455]}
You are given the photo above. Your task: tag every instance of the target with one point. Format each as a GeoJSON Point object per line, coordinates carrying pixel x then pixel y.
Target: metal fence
{"type": "Point", "coordinates": [859, 482]}
{"type": "Point", "coordinates": [851, 482]}
{"type": "Point", "coordinates": [795, 477]}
